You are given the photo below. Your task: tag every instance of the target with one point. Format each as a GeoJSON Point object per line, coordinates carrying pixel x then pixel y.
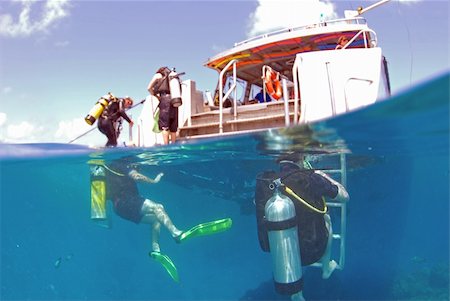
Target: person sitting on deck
{"type": "Point", "coordinates": [260, 97]}
{"type": "Point", "coordinates": [342, 41]}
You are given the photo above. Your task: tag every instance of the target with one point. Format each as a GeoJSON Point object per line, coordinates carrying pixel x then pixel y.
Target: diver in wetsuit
{"type": "Point", "coordinates": [111, 118]}
{"type": "Point", "coordinates": [314, 226]}
{"type": "Point", "coordinates": [122, 190]}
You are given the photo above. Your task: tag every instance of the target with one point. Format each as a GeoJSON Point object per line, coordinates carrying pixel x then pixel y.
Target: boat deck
{"type": "Point", "coordinates": [248, 117]}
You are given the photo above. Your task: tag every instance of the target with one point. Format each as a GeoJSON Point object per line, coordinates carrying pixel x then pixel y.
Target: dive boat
{"type": "Point", "coordinates": [302, 74]}
{"type": "Point", "coordinates": [284, 78]}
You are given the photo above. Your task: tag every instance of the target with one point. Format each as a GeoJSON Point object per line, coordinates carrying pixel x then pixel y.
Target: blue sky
{"type": "Point", "coordinates": [58, 57]}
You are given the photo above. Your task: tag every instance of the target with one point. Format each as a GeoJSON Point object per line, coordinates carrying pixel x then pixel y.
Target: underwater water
{"type": "Point", "coordinates": [397, 222]}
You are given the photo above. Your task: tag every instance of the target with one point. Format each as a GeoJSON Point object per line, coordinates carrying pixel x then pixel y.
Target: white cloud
{"type": "Point", "coordinates": [216, 48]}
{"type": "Point", "coordinates": [6, 90]}
{"type": "Point", "coordinates": [3, 119]}
{"type": "Point", "coordinates": [68, 130]}
{"type": "Point", "coordinates": [22, 132]}
{"type": "Point", "coordinates": [62, 44]}
{"type": "Point", "coordinates": [52, 11]}
{"type": "Point", "coordinates": [276, 14]}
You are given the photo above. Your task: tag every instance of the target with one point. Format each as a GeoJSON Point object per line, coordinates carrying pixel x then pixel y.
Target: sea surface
{"type": "Point", "coordinates": [397, 221]}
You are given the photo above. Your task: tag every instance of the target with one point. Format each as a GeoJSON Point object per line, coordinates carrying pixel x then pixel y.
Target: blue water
{"type": "Point", "coordinates": [397, 221]}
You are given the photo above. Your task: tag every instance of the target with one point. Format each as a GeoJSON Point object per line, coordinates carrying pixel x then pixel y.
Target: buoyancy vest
{"type": "Point", "coordinates": [112, 109]}
{"type": "Point", "coordinates": [163, 84]}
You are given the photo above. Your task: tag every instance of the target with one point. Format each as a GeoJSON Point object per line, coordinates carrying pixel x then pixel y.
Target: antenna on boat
{"type": "Point", "coordinates": [362, 10]}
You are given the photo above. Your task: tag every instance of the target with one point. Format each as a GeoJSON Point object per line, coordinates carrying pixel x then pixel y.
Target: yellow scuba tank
{"type": "Point", "coordinates": [98, 108]}
{"type": "Point", "coordinates": [98, 190]}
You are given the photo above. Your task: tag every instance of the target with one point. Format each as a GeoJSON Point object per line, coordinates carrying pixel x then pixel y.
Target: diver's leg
{"type": "Point", "coordinates": [156, 229]}
{"type": "Point", "coordinates": [298, 296]}
{"type": "Point", "coordinates": [173, 123]}
{"type": "Point", "coordinates": [165, 135]}
{"type": "Point", "coordinates": [110, 134]}
{"type": "Point", "coordinates": [328, 266]}
{"type": "Point", "coordinates": [153, 212]}
{"type": "Point", "coordinates": [173, 136]}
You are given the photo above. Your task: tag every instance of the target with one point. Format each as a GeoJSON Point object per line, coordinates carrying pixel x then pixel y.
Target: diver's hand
{"type": "Point", "coordinates": [158, 177]}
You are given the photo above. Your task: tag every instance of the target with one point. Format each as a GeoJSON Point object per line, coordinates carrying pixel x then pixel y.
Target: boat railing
{"type": "Point", "coordinates": [364, 32]}
{"type": "Point", "coordinates": [355, 20]}
{"type": "Point", "coordinates": [230, 90]}
{"type": "Point", "coordinates": [296, 92]}
{"type": "Point", "coordinates": [284, 85]}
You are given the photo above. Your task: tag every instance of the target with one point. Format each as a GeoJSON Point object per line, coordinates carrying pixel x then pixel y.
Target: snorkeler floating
{"type": "Point", "coordinates": [117, 182]}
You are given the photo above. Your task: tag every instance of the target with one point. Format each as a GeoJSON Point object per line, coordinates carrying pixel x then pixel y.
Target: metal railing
{"type": "Point", "coordinates": [373, 42]}
{"type": "Point", "coordinates": [356, 20]}
{"type": "Point", "coordinates": [284, 80]}
{"type": "Point", "coordinates": [231, 89]}
{"type": "Point", "coordinates": [296, 92]}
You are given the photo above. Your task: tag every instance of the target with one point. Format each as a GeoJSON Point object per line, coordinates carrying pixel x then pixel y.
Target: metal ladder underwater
{"type": "Point", "coordinates": [340, 209]}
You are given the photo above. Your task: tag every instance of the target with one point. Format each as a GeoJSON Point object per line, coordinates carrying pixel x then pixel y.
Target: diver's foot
{"type": "Point", "coordinates": [328, 270]}
{"type": "Point", "coordinates": [155, 248]}
{"type": "Point", "coordinates": [178, 238]}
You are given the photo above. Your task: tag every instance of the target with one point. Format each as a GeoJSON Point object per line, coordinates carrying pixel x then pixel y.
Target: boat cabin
{"type": "Point", "coordinates": [287, 77]}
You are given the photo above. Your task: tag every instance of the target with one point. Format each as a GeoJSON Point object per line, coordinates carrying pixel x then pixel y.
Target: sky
{"type": "Point", "coordinates": [57, 57]}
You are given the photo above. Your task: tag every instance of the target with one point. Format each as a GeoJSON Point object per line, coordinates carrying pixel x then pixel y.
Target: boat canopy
{"type": "Point", "coordinates": [278, 49]}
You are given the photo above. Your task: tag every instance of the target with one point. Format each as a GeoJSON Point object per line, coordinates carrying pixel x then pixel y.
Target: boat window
{"type": "Point", "coordinates": [254, 90]}
{"type": "Point", "coordinates": [240, 89]}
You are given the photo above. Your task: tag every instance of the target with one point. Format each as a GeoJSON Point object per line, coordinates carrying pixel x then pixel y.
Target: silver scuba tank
{"type": "Point", "coordinates": [284, 246]}
{"type": "Point", "coordinates": [175, 89]}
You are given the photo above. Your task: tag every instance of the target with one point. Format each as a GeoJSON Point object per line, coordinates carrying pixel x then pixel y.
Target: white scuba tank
{"type": "Point", "coordinates": [175, 89]}
{"type": "Point", "coordinates": [284, 246]}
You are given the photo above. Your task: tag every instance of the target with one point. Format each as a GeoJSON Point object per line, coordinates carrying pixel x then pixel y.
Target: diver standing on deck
{"type": "Point", "coordinates": [159, 87]}
{"type": "Point", "coordinates": [110, 120]}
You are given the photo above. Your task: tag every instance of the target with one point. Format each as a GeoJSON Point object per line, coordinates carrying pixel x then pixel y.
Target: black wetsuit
{"type": "Point", "coordinates": [311, 187]}
{"type": "Point", "coordinates": [122, 190]}
{"type": "Point", "coordinates": [168, 114]}
{"type": "Point", "coordinates": [108, 119]}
